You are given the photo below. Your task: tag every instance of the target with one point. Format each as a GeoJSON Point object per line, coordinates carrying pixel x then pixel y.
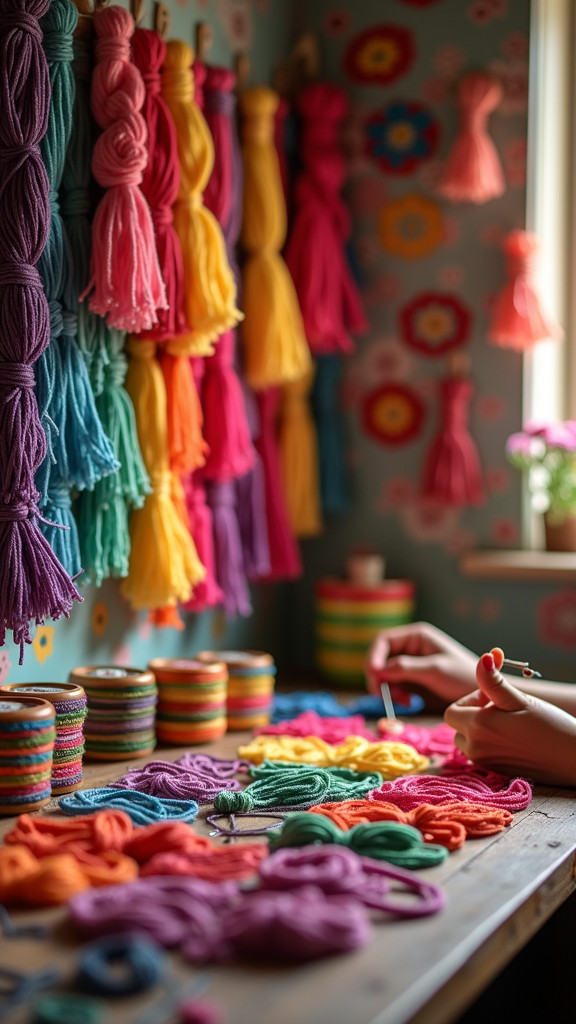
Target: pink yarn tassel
{"type": "Point", "coordinates": [284, 554]}
{"type": "Point", "coordinates": [231, 453]}
{"type": "Point", "coordinates": [452, 472]}
{"type": "Point", "coordinates": [518, 320]}
{"type": "Point", "coordinates": [473, 171]}
{"type": "Point", "coordinates": [125, 284]}
{"type": "Point", "coordinates": [207, 593]}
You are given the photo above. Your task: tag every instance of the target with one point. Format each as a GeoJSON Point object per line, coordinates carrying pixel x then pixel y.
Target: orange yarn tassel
{"type": "Point", "coordinates": [187, 447]}
{"type": "Point", "coordinates": [275, 347]}
{"type": "Point", "coordinates": [209, 287]}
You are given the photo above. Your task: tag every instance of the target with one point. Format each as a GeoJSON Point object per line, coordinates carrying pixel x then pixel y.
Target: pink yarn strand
{"type": "Point", "coordinates": [125, 285]}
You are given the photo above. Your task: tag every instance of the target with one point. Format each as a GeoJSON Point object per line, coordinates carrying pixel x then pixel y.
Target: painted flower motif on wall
{"type": "Point", "coordinates": [450, 277]}
{"type": "Point", "coordinates": [396, 492]}
{"type": "Point", "coordinates": [448, 61]}
{"type": "Point", "coordinates": [236, 19]}
{"type": "Point", "coordinates": [556, 617]}
{"type": "Point", "coordinates": [336, 22]}
{"type": "Point", "coordinates": [99, 618]}
{"type": "Point", "coordinates": [434, 323]}
{"type": "Point", "coordinates": [428, 522]}
{"type": "Point", "coordinates": [402, 136]}
{"type": "Point", "coordinates": [380, 55]}
{"type": "Point", "coordinates": [482, 12]}
{"type": "Point", "coordinates": [43, 643]}
{"type": "Point", "coordinates": [411, 227]}
{"type": "Point", "coordinates": [5, 666]}
{"type": "Point", "coordinates": [513, 76]}
{"type": "Point", "coordinates": [392, 414]}
{"type": "Point", "coordinates": [383, 359]}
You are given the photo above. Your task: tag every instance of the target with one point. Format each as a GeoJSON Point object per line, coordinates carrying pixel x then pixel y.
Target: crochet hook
{"type": "Point", "coordinates": [387, 701]}
{"type": "Point", "coordinates": [527, 672]}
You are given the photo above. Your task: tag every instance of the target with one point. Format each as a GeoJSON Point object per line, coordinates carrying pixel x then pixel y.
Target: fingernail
{"type": "Point", "coordinates": [488, 662]}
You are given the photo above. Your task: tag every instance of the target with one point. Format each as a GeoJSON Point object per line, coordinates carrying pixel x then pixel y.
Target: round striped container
{"type": "Point", "coordinates": [69, 703]}
{"type": "Point", "coordinates": [27, 734]}
{"type": "Point", "coordinates": [250, 686]}
{"type": "Point", "coordinates": [191, 700]}
{"type": "Point", "coordinates": [347, 618]}
{"type": "Point", "coordinates": [121, 711]}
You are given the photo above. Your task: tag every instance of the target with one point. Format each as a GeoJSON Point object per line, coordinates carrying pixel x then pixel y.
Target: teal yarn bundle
{"type": "Point", "coordinates": [398, 844]}
{"type": "Point", "coordinates": [79, 453]}
{"type": "Point", "coordinates": [142, 808]}
{"type": "Point", "coordinates": [102, 512]}
{"type": "Point", "coordinates": [279, 784]}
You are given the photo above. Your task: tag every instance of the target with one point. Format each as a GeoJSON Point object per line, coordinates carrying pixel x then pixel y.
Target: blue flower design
{"type": "Point", "coordinates": [402, 136]}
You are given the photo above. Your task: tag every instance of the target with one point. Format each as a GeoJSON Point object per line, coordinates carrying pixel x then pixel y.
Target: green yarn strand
{"type": "Point", "coordinates": [280, 784]}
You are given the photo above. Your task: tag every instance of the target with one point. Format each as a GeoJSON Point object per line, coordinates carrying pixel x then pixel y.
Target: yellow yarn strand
{"type": "Point", "coordinates": [275, 347]}
{"type": "Point", "coordinates": [209, 286]}
{"type": "Point", "coordinates": [390, 758]}
{"type": "Point", "coordinates": [164, 564]}
{"type": "Point", "coordinates": [298, 445]}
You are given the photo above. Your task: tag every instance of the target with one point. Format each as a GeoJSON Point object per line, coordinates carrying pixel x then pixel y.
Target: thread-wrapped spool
{"type": "Point", "coordinates": [121, 715]}
{"type": "Point", "coordinates": [347, 618]}
{"type": "Point", "coordinates": [251, 677]}
{"type": "Point", "coordinates": [191, 700]}
{"type": "Point", "coordinates": [69, 703]}
{"type": "Point", "coordinates": [27, 734]}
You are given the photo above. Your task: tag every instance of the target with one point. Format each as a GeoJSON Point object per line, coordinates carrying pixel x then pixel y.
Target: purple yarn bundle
{"type": "Point", "coordinates": [170, 779]}
{"type": "Point", "coordinates": [34, 585]}
{"type": "Point", "coordinates": [219, 767]}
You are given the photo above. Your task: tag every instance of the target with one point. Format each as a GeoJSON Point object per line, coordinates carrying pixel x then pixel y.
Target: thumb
{"type": "Point", "coordinates": [495, 688]}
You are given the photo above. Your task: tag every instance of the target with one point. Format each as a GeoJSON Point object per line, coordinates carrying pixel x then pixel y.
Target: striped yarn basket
{"type": "Point", "coordinates": [27, 734]}
{"type": "Point", "coordinates": [121, 711]}
{"type": "Point", "coordinates": [191, 700]}
{"type": "Point", "coordinates": [69, 703]}
{"type": "Point", "coordinates": [347, 618]}
{"type": "Point", "coordinates": [251, 676]}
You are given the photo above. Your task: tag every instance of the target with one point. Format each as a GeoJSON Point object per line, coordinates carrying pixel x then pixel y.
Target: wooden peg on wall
{"type": "Point", "coordinates": [85, 25]}
{"type": "Point", "coordinates": [84, 7]}
{"type": "Point", "coordinates": [242, 71]}
{"type": "Point", "coordinates": [162, 19]}
{"type": "Point", "coordinates": [204, 37]}
{"type": "Point", "coordinates": [138, 11]}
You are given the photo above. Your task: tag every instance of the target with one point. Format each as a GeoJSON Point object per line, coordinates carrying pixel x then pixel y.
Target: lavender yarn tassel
{"type": "Point", "coordinates": [229, 563]}
{"type": "Point", "coordinates": [33, 583]}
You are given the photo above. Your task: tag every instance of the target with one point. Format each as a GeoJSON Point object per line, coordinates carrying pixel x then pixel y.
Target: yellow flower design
{"type": "Point", "coordinates": [411, 227]}
{"type": "Point", "coordinates": [99, 619]}
{"type": "Point", "coordinates": [393, 414]}
{"type": "Point", "coordinates": [43, 643]}
{"type": "Point", "coordinates": [433, 324]}
{"type": "Point", "coordinates": [378, 56]}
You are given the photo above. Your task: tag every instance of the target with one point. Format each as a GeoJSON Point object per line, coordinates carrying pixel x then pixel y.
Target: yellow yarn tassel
{"type": "Point", "coordinates": [298, 446]}
{"type": "Point", "coordinates": [209, 286]}
{"type": "Point", "coordinates": [275, 347]}
{"type": "Point", "coordinates": [164, 564]}
{"type": "Point", "coordinates": [389, 757]}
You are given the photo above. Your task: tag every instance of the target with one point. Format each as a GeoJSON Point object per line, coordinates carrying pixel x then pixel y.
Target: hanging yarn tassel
{"type": "Point", "coordinates": [229, 563]}
{"type": "Point", "coordinates": [102, 514]}
{"type": "Point", "coordinates": [126, 285]}
{"type": "Point", "coordinates": [334, 486]}
{"type": "Point", "coordinates": [226, 427]}
{"type": "Point", "coordinates": [327, 293]}
{"type": "Point", "coordinates": [280, 119]}
{"type": "Point", "coordinates": [275, 348]}
{"type": "Point", "coordinates": [452, 471]}
{"type": "Point", "coordinates": [161, 180]}
{"type": "Point", "coordinates": [163, 561]}
{"type": "Point", "coordinates": [210, 293]}
{"type": "Point", "coordinates": [473, 171]}
{"type": "Point", "coordinates": [517, 318]}
{"type": "Point", "coordinates": [34, 584]}
{"type": "Point", "coordinates": [284, 553]}
{"type": "Point", "coordinates": [251, 505]}
{"type": "Point", "coordinates": [298, 449]}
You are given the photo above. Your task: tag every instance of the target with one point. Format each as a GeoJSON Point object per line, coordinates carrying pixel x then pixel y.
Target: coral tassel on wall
{"type": "Point", "coordinates": [517, 318]}
{"type": "Point", "coordinates": [473, 171]}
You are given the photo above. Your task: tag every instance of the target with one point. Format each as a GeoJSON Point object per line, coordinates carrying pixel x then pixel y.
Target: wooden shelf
{"type": "Point", "coordinates": [528, 566]}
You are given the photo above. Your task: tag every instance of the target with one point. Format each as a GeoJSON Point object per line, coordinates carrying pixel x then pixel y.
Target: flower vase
{"type": "Point", "coordinates": [560, 536]}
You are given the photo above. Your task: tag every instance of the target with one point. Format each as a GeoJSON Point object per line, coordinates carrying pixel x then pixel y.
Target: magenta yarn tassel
{"type": "Point", "coordinates": [229, 563]}
{"type": "Point", "coordinates": [284, 552]}
{"type": "Point", "coordinates": [34, 585]}
{"type": "Point", "coordinates": [207, 593]}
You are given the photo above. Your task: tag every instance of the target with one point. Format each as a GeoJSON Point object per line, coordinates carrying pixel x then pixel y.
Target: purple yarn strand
{"type": "Point", "coordinates": [34, 585]}
{"type": "Point", "coordinates": [170, 779]}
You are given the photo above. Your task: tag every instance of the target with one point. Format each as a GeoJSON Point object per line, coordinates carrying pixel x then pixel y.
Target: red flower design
{"type": "Point", "coordinates": [434, 323]}
{"type": "Point", "coordinates": [556, 616]}
{"type": "Point", "coordinates": [380, 55]}
{"type": "Point", "coordinates": [392, 414]}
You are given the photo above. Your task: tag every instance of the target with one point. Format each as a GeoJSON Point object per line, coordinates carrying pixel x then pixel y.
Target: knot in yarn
{"type": "Point", "coordinates": [24, 21]}
{"type": "Point", "coordinates": [16, 375]}
{"type": "Point", "coordinates": [120, 155]}
{"type": "Point", "coordinates": [228, 802]}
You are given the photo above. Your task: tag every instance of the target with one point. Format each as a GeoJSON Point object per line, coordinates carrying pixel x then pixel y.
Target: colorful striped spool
{"type": "Point", "coordinates": [27, 734]}
{"type": "Point", "coordinates": [191, 700]}
{"type": "Point", "coordinates": [121, 711]}
{"type": "Point", "coordinates": [250, 686]}
{"type": "Point", "coordinates": [347, 618]}
{"type": "Point", "coordinates": [69, 703]}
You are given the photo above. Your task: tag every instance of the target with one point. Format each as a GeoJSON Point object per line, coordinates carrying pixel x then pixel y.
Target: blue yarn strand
{"type": "Point", "coordinates": [142, 808]}
{"type": "Point", "coordinates": [334, 486]}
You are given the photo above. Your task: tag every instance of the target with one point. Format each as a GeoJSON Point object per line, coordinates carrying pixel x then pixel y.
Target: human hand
{"type": "Point", "coordinates": [422, 655]}
{"type": "Point", "coordinates": [501, 728]}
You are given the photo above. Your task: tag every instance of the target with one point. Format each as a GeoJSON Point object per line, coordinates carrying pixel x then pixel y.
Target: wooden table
{"type": "Point", "coordinates": [500, 891]}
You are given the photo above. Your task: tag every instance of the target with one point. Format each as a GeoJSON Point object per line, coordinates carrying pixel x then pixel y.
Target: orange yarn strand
{"type": "Point", "coordinates": [27, 881]}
